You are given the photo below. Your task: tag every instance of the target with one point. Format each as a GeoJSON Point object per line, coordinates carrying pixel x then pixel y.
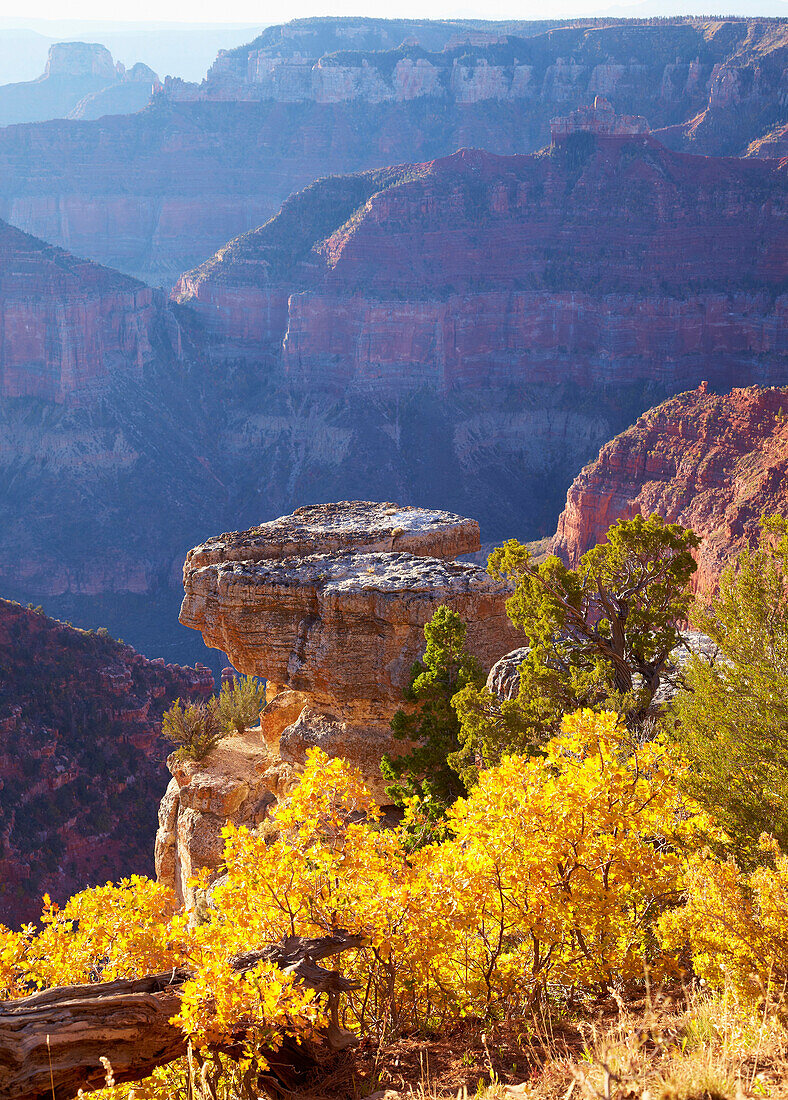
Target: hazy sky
{"type": "Point", "coordinates": [262, 12]}
{"type": "Point", "coordinates": [265, 12]}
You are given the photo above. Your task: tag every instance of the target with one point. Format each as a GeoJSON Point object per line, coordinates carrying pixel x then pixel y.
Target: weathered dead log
{"type": "Point", "coordinates": [51, 1042]}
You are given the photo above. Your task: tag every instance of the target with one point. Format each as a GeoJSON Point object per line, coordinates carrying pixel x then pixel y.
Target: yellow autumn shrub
{"type": "Point", "coordinates": [734, 924]}
{"type": "Point", "coordinates": [13, 946]}
{"type": "Point", "coordinates": [555, 870]}
{"type": "Point", "coordinates": [553, 873]}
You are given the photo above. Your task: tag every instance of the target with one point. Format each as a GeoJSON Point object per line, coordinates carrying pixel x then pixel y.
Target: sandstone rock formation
{"type": "Point", "coordinates": [155, 193]}
{"type": "Point", "coordinates": [713, 462]}
{"type": "Point", "coordinates": [341, 627]}
{"type": "Point", "coordinates": [81, 757]}
{"type": "Point", "coordinates": [335, 634]}
{"type": "Point", "coordinates": [350, 525]}
{"type": "Point", "coordinates": [80, 80]}
{"type": "Point", "coordinates": [344, 628]}
{"type": "Point", "coordinates": [240, 780]}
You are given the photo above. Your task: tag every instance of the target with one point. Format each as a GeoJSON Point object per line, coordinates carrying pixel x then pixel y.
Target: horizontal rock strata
{"type": "Point", "coordinates": [335, 634]}
{"type": "Point", "coordinates": [713, 462]}
{"type": "Point", "coordinates": [358, 525]}
{"type": "Point", "coordinates": [155, 192]}
{"type": "Point", "coordinates": [68, 325]}
{"type": "Point", "coordinates": [343, 628]}
{"type": "Point", "coordinates": [611, 261]}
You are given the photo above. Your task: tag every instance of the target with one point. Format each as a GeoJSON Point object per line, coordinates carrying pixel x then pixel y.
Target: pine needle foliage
{"type": "Point", "coordinates": [425, 774]}
{"type": "Point", "coordinates": [599, 636]}
{"type": "Point", "coordinates": [731, 719]}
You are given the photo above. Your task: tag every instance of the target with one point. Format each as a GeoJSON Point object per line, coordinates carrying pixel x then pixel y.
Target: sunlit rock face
{"type": "Point", "coordinates": [345, 627]}
{"type": "Point", "coordinates": [712, 462]}
{"type": "Point", "coordinates": [329, 605]}
{"type": "Point", "coordinates": [349, 525]}
{"type": "Point", "coordinates": [341, 628]}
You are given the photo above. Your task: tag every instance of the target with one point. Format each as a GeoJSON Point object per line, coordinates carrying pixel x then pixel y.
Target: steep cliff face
{"type": "Point", "coordinates": [155, 193]}
{"type": "Point", "coordinates": [747, 89]}
{"type": "Point", "coordinates": [713, 462]}
{"type": "Point", "coordinates": [67, 325]}
{"type": "Point", "coordinates": [610, 259]}
{"type": "Point", "coordinates": [102, 470]}
{"type": "Point", "coordinates": [81, 757]}
{"type": "Point", "coordinates": [77, 74]}
{"type": "Point", "coordinates": [714, 62]}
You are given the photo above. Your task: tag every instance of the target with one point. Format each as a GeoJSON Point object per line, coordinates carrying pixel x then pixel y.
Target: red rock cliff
{"type": "Point", "coordinates": [712, 462]}
{"type": "Point", "coordinates": [67, 325]}
{"type": "Point", "coordinates": [81, 757]}
{"type": "Point", "coordinates": [612, 259]}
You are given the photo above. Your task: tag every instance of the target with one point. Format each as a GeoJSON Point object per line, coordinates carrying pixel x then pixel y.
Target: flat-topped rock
{"type": "Point", "coordinates": [346, 525]}
{"type": "Point", "coordinates": [343, 628]}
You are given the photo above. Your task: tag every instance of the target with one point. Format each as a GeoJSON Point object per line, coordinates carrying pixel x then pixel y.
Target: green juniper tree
{"type": "Point", "coordinates": [599, 635]}
{"type": "Point", "coordinates": [731, 716]}
{"type": "Point", "coordinates": [426, 772]}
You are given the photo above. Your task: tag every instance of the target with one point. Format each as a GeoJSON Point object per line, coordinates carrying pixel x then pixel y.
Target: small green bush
{"type": "Point", "coordinates": [195, 728]}
{"type": "Point", "coordinates": [240, 704]}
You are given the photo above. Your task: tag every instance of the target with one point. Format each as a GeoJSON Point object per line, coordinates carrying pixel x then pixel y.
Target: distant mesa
{"type": "Point", "coordinates": [625, 263]}
{"type": "Point", "coordinates": [599, 119]}
{"type": "Point", "coordinates": [80, 59]}
{"type": "Point", "coordinates": [142, 195]}
{"type": "Point", "coordinates": [81, 80]}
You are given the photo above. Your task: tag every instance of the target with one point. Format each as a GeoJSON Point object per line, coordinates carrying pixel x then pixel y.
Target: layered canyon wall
{"type": "Point", "coordinates": [460, 334]}
{"type": "Point", "coordinates": [712, 462]}
{"type": "Point", "coordinates": [68, 326]}
{"type": "Point", "coordinates": [155, 193]}
{"type": "Point", "coordinates": [608, 261]}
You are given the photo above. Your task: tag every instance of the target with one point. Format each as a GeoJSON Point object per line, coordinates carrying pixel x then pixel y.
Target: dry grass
{"type": "Point", "coordinates": [704, 1048]}
{"type": "Point", "coordinates": [698, 1048]}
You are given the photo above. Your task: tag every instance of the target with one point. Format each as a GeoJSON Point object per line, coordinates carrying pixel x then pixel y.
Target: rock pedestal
{"type": "Point", "coordinates": [329, 606]}
{"type": "Point", "coordinates": [343, 628]}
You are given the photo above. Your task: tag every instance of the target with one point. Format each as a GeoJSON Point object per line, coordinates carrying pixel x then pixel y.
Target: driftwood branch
{"type": "Point", "coordinates": [51, 1042]}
